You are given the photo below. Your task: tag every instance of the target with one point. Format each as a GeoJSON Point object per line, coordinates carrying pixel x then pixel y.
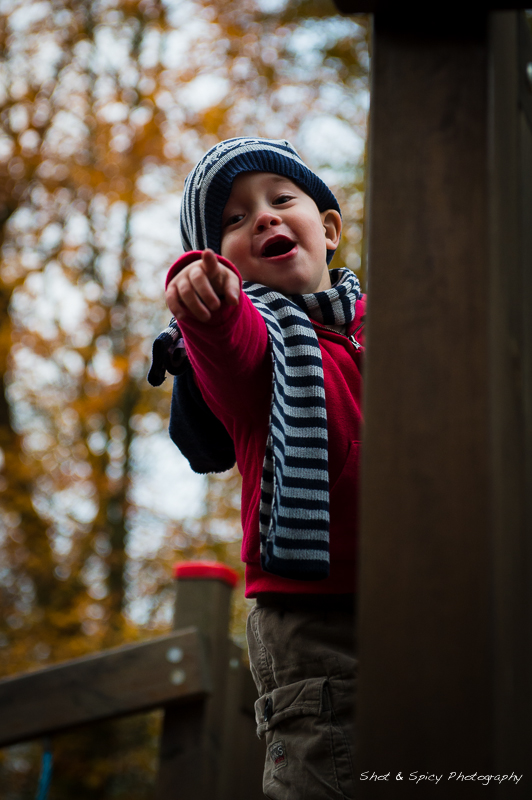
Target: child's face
{"type": "Point", "coordinates": [275, 235]}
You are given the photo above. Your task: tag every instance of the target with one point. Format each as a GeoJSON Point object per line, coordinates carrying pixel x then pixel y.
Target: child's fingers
{"type": "Point", "coordinates": [182, 298]}
{"type": "Point", "coordinates": [223, 279]}
{"type": "Point", "coordinates": [203, 286]}
{"type": "Point", "coordinates": [190, 301]}
{"type": "Point", "coordinates": [211, 265]}
{"type": "Point", "coordinates": [230, 287]}
{"type": "Point", "coordinates": [172, 301]}
{"type": "Point", "coordinates": [198, 287]}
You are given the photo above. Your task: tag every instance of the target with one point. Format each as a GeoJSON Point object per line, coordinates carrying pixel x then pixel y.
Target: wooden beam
{"type": "Point", "coordinates": [428, 9]}
{"type": "Point", "coordinates": [511, 381]}
{"type": "Point", "coordinates": [120, 681]}
{"type": "Point", "coordinates": [425, 552]}
{"type": "Point", "coordinates": [445, 621]}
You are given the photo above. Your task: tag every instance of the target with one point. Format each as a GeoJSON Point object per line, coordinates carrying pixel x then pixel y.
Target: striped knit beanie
{"type": "Point", "coordinates": [208, 186]}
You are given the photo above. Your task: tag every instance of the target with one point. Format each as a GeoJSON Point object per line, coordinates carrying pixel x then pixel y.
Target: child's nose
{"type": "Point", "coordinates": [266, 219]}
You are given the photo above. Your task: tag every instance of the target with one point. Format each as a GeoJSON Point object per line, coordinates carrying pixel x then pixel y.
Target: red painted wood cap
{"type": "Point", "coordinates": [206, 571]}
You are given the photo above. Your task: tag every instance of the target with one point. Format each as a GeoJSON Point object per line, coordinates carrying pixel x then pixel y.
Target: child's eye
{"type": "Point", "coordinates": [233, 219]}
{"type": "Point", "coordinates": [283, 198]}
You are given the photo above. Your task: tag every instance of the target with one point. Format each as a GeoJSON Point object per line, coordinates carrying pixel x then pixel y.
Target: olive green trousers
{"type": "Point", "coordinates": [304, 666]}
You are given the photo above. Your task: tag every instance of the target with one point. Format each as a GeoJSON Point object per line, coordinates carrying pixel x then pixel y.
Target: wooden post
{"type": "Point", "coordinates": [424, 628]}
{"type": "Point", "coordinates": [510, 238]}
{"type": "Point", "coordinates": [243, 752]}
{"type": "Point", "coordinates": [445, 621]}
{"type": "Point", "coordinates": [191, 750]}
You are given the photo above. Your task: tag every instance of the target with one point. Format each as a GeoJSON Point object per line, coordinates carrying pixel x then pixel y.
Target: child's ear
{"type": "Point", "coordinates": [332, 224]}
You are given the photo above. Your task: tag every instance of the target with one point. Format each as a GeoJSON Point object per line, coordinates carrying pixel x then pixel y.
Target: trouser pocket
{"type": "Point", "coordinates": [307, 752]}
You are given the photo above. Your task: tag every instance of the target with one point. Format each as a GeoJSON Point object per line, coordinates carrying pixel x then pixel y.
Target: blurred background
{"type": "Point", "coordinates": [105, 107]}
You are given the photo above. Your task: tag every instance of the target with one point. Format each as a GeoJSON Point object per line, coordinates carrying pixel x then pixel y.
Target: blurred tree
{"type": "Point", "coordinates": [105, 107]}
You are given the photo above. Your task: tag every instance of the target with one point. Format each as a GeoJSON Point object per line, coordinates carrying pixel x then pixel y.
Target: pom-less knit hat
{"type": "Point", "coordinates": [208, 186]}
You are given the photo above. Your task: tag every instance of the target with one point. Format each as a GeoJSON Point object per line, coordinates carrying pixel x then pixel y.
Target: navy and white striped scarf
{"type": "Point", "coordinates": [294, 505]}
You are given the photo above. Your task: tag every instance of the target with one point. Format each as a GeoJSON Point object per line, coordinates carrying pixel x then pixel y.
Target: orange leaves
{"type": "Point", "coordinates": [213, 119]}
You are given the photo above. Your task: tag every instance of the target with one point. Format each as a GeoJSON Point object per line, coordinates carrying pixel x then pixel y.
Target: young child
{"type": "Point", "coordinates": [271, 374]}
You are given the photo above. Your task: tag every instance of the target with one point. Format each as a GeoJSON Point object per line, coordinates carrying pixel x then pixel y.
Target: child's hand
{"type": "Point", "coordinates": [197, 289]}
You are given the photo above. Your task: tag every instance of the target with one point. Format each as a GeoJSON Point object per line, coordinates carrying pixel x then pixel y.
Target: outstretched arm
{"type": "Point", "coordinates": [226, 337]}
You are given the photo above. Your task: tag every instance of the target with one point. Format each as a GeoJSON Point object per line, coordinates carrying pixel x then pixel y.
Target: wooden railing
{"type": "Point", "coordinates": [208, 749]}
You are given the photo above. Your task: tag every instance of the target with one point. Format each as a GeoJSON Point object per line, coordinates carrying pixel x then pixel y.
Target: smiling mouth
{"type": "Point", "coordinates": [279, 247]}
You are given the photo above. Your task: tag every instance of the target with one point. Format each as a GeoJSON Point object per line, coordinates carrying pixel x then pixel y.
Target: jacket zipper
{"type": "Point", "coordinates": [351, 337]}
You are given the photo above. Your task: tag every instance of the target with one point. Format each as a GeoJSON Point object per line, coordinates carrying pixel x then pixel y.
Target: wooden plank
{"type": "Point", "coordinates": [526, 259]}
{"type": "Point", "coordinates": [449, 9]}
{"type": "Point", "coordinates": [120, 681]}
{"type": "Point", "coordinates": [446, 551]}
{"type": "Point", "coordinates": [511, 389]}
{"type": "Point", "coordinates": [425, 693]}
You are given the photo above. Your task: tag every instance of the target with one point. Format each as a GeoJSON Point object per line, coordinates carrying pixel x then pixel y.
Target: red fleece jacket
{"type": "Point", "coordinates": [232, 364]}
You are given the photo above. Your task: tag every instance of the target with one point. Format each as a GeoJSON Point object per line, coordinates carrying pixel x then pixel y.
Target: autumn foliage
{"type": "Point", "coordinates": [105, 107]}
